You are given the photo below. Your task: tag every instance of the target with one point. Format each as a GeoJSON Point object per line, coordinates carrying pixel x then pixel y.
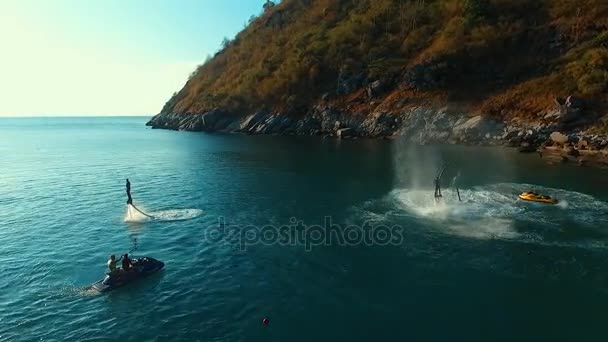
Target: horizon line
{"type": "Point", "coordinates": [16, 116]}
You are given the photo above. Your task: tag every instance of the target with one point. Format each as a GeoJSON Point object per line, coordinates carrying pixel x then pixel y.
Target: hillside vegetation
{"type": "Point", "coordinates": [503, 58]}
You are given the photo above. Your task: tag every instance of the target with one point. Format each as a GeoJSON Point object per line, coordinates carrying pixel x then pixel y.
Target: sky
{"type": "Point", "coordinates": [107, 57]}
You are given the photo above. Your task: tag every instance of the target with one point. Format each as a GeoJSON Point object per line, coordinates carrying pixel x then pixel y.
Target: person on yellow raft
{"type": "Point", "coordinates": [534, 197]}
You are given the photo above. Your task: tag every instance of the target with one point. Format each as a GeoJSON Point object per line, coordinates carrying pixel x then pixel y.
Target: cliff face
{"type": "Point", "coordinates": [422, 69]}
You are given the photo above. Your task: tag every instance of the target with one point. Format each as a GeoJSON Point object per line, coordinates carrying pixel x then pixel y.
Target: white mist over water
{"type": "Point", "coordinates": [416, 167]}
{"type": "Point", "coordinates": [482, 214]}
{"type": "Point", "coordinates": [487, 211]}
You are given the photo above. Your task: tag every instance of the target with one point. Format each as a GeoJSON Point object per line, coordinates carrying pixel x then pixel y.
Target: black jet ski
{"type": "Point", "coordinates": [141, 268]}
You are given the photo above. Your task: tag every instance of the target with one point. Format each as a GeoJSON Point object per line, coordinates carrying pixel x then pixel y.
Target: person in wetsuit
{"type": "Point", "coordinates": [438, 187]}
{"type": "Point", "coordinates": [129, 199]}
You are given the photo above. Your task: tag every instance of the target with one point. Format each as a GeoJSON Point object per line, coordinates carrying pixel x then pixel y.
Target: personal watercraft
{"type": "Point", "coordinates": [141, 267]}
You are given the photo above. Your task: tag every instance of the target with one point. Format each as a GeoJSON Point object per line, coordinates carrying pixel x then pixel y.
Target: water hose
{"type": "Point", "coordinates": [141, 212]}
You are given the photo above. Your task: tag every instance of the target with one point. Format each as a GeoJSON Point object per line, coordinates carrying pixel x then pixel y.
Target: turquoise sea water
{"type": "Point", "coordinates": [490, 268]}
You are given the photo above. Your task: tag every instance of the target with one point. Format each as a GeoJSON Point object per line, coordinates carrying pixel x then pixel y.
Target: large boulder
{"type": "Point", "coordinates": [344, 132]}
{"type": "Point", "coordinates": [559, 138]}
{"type": "Point", "coordinates": [477, 127]}
{"type": "Point", "coordinates": [471, 123]}
{"type": "Point", "coordinates": [582, 144]}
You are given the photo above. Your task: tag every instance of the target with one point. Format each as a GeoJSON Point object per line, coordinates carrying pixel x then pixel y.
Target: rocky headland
{"type": "Point", "coordinates": [560, 137]}
{"type": "Point", "coordinates": [528, 75]}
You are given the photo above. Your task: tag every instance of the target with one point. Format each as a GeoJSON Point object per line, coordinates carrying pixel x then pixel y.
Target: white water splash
{"type": "Point", "coordinates": [133, 215]}
{"type": "Point", "coordinates": [481, 215]}
{"type": "Point", "coordinates": [563, 204]}
{"type": "Point", "coordinates": [490, 211]}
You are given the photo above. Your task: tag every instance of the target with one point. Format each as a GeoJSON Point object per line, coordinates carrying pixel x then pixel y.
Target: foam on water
{"type": "Point", "coordinates": [132, 215]}
{"type": "Point", "coordinates": [176, 214]}
{"type": "Point", "coordinates": [476, 203]}
{"type": "Point", "coordinates": [491, 211]}
{"type": "Point", "coordinates": [83, 292]}
{"type": "Point", "coordinates": [500, 200]}
{"type": "Point", "coordinates": [484, 228]}
{"type": "Point", "coordinates": [482, 214]}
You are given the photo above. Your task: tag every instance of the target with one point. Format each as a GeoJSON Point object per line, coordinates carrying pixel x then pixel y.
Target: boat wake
{"type": "Point", "coordinates": [135, 215]}
{"type": "Point", "coordinates": [87, 292]}
{"type": "Point", "coordinates": [176, 214]}
{"type": "Point", "coordinates": [74, 291]}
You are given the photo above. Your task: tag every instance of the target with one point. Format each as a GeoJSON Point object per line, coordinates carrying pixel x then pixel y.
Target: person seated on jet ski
{"type": "Point", "coordinates": [112, 270]}
{"type": "Point", "coordinates": [126, 263]}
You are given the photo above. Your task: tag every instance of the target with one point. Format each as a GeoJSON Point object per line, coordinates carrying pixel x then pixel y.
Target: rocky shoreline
{"type": "Point", "coordinates": [558, 137]}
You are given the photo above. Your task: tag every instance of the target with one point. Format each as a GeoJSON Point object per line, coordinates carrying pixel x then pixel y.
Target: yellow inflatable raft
{"type": "Point", "coordinates": [534, 197]}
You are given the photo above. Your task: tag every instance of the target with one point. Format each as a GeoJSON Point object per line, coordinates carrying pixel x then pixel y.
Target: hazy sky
{"type": "Point", "coordinates": [107, 57]}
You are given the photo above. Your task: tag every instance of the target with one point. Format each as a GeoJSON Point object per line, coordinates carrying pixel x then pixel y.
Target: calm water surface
{"type": "Point", "coordinates": [490, 268]}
